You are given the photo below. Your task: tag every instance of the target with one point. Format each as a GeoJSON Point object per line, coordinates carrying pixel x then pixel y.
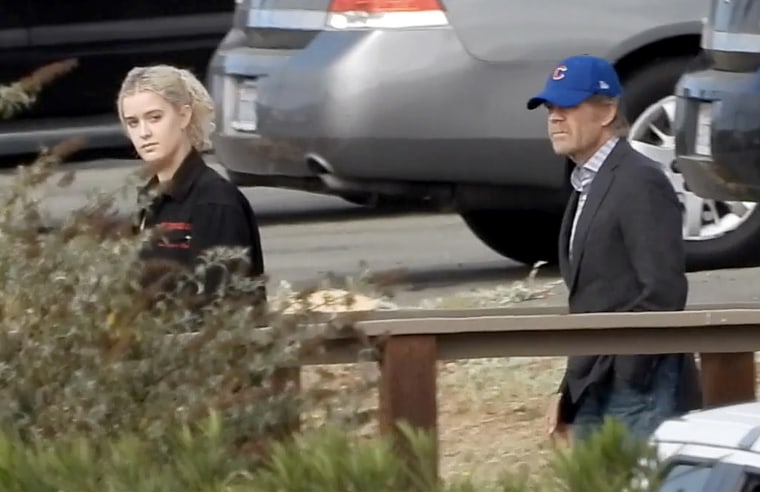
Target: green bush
{"type": "Point", "coordinates": [194, 461]}
{"type": "Point", "coordinates": [22, 94]}
{"type": "Point", "coordinates": [88, 349]}
{"type": "Point", "coordinates": [324, 460]}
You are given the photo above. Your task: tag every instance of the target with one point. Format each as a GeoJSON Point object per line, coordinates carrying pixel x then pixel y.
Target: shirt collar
{"type": "Point", "coordinates": [179, 186]}
{"type": "Point", "coordinates": [582, 175]}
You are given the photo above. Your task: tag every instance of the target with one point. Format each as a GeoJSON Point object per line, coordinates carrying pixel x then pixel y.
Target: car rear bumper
{"type": "Point", "coordinates": [341, 97]}
{"type": "Point", "coordinates": [719, 151]}
{"type": "Point", "coordinates": [408, 105]}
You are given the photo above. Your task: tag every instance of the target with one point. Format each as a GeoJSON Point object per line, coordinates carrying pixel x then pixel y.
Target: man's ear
{"type": "Point", "coordinates": [610, 113]}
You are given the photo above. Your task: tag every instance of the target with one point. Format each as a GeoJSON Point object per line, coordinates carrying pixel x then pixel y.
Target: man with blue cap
{"type": "Point", "coordinates": [620, 250]}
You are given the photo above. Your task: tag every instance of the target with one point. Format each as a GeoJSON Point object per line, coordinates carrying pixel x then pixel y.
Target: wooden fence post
{"type": "Point", "coordinates": [408, 389]}
{"type": "Point", "coordinates": [727, 378]}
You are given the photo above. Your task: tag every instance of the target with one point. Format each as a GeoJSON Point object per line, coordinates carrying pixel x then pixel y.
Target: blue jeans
{"type": "Point", "coordinates": [641, 412]}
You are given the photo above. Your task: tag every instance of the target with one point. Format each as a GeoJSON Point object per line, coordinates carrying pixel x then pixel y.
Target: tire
{"type": "Point", "coordinates": [736, 249]}
{"type": "Point", "coordinates": [523, 236]}
{"type": "Point", "coordinates": [739, 247]}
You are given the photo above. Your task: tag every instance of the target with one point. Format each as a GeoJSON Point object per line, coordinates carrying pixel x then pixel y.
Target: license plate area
{"type": "Point", "coordinates": [702, 144]}
{"type": "Point", "coordinates": [244, 118]}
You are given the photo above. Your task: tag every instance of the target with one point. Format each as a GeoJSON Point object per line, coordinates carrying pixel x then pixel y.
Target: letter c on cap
{"type": "Point", "coordinates": [559, 72]}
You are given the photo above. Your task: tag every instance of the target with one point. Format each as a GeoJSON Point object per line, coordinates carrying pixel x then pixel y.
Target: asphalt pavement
{"type": "Point", "coordinates": [272, 205]}
{"type": "Point", "coordinates": [438, 257]}
{"type": "Point", "coordinates": [307, 237]}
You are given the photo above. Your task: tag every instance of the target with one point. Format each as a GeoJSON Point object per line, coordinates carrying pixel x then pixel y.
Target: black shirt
{"type": "Point", "coordinates": [198, 209]}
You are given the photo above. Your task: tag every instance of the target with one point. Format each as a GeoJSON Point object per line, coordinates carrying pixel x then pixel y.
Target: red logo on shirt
{"type": "Point", "coordinates": [174, 242]}
{"type": "Point", "coordinates": [175, 226]}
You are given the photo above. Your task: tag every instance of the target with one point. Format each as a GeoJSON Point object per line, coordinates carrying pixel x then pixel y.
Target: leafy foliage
{"type": "Point", "coordinates": [612, 461]}
{"type": "Point", "coordinates": [87, 347]}
{"type": "Point", "coordinates": [97, 344]}
{"type": "Point", "coordinates": [325, 460]}
{"type": "Point", "coordinates": [23, 93]}
{"type": "Point", "coordinates": [197, 461]}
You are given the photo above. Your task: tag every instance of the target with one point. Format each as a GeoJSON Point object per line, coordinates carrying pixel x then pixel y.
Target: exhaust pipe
{"type": "Point", "coordinates": [318, 164]}
{"type": "Point", "coordinates": [324, 171]}
{"type": "Point", "coordinates": [419, 193]}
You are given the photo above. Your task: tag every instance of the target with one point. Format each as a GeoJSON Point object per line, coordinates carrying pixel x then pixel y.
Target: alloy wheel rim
{"type": "Point", "coordinates": [652, 134]}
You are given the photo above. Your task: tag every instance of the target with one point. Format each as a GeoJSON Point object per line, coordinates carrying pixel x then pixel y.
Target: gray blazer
{"type": "Point", "coordinates": [627, 256]}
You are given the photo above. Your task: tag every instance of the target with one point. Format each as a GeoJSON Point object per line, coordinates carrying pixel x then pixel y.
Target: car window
{"type": "Point", "coordinates": [751, 483]}
{"type": "Point", "coordinates": [686, 477]}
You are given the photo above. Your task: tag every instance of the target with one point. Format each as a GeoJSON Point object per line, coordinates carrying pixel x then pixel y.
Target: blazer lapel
{"type": "Point", "coordinates": [564, 236]}
{"type": "Point", "coordinates": [599, 188]}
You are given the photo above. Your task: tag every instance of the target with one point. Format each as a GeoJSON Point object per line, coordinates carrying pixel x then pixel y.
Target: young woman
{"type": "Point", "coordinates": [168, 116]}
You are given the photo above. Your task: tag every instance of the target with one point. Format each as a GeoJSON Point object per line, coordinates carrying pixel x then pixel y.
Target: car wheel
{"type": "Point", "coordinates": [523, 236]}
{"type": "Point", "coordinates": [718, 234]}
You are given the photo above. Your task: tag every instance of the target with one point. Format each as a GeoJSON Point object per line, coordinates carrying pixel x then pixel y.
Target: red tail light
{"type": "Point", "coordinates": [386, 14]}
{"type": "Point", "coordinates": [384, 6]}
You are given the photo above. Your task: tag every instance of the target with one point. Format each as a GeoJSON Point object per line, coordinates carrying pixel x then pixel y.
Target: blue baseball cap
{"type": "Point", "coordinates": [576, 79]}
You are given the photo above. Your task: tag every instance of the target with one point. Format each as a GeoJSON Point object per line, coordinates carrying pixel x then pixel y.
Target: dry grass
{"type": "Point", "coordinates": [490, 411]}
{"type": "Point", "coordinates": [491, 415]}
{"type": "Point", "coordinates": [505, 295]}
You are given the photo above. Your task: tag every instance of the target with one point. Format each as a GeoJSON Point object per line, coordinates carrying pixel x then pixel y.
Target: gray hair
{"type": "Point", "coordinates": [620, 126]}
{"type": "Point", "coordinates": [180, 88]}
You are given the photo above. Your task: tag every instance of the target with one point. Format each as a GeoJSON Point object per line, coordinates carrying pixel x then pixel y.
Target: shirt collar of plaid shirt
{"type": "Point", "coordinates": [582, 176]}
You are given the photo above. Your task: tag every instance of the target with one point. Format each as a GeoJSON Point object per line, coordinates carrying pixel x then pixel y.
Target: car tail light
{"type": "Point", "coordinates": [386, 14]}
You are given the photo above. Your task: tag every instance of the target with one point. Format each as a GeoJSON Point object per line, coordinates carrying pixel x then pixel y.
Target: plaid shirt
{"type": "Point", "coordinates": [582, 177]}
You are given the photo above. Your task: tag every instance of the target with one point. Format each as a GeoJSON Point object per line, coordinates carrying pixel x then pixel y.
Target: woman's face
{"type": "Point", "coordinates": [155, 126]}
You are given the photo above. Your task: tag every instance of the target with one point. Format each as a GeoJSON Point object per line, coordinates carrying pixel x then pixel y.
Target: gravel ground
{"type": "Point", "coordinates": [490, 410]}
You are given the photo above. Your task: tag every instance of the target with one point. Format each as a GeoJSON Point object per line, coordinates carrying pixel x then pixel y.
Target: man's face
{"type": "Point", "coordinates": [579, 131]}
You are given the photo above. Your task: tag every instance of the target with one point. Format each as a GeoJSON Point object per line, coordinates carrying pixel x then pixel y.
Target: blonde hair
{"type": "Point", "coordinates": [180, 88]}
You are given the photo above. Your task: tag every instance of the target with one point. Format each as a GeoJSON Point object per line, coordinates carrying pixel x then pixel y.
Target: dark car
{"type": "Point", "coordinates": [108, 38]}
{"type": "Point", "coordinates": [718, 117]}
{"type": "Point", "coordinates": [424, 101]}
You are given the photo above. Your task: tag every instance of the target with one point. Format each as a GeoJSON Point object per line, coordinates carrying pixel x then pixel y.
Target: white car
{"type": "Point", "coordinates": [716, 450]}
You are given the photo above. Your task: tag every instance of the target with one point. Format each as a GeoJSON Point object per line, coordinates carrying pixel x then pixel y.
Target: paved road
{"type": "Point", "coordinates": [440, 256]}
{"type": "Point", "coordinates": [270, 204]}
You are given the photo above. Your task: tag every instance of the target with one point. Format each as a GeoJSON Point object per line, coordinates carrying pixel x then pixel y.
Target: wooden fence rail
{"type": "Point", "coordinates": [724, 336]}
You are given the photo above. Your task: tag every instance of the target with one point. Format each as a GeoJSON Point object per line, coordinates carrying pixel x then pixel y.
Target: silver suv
{"type": "Point", "coordinates": [423, 102]}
